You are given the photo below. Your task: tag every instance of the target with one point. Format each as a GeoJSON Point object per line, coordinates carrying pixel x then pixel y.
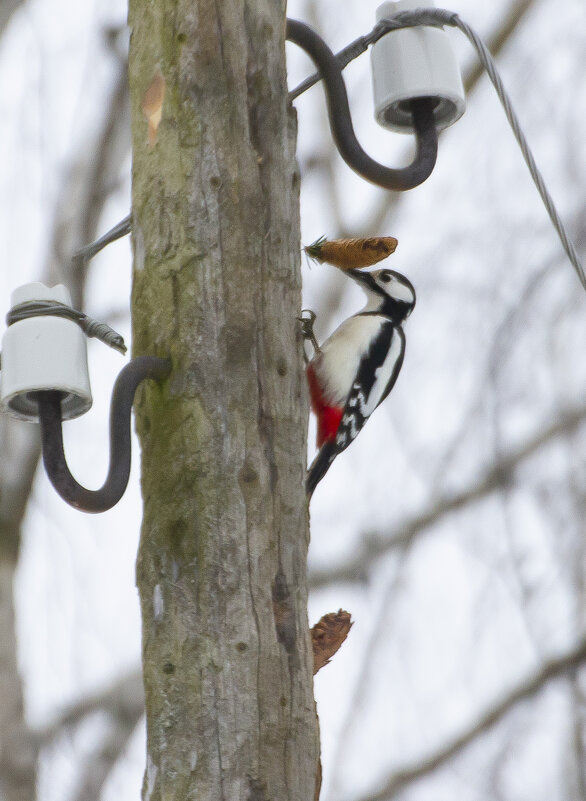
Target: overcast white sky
{"type": "Point", "coordinates": [482, 595]}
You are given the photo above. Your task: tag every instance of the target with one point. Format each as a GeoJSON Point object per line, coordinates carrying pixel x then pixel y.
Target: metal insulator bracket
{"type": "Point", "coordinates": [341, 126]}
{"type": "Point", "coordinates": [50, 416]}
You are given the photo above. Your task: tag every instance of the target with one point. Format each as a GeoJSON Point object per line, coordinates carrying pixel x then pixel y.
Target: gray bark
{"type": "Point", "coordinates": [221, 569]}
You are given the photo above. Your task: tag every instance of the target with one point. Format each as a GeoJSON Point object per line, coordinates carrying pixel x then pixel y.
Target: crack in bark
{"type": "Point", "coordinates": [254, 614]}
{"type": "Point", "coordinates": [284, 614]}
{"type": "Point", "coordinates": [257, 790]}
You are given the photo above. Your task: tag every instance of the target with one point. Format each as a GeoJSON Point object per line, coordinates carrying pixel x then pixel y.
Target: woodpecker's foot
{"type": "Point", "coordinates": [307, 320]}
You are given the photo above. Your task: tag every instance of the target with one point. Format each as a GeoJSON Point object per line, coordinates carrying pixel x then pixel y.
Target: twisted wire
{"type": "Point", "coordinates": [53, 308]}
{"type": "Point", "coordinates": [344, 57]}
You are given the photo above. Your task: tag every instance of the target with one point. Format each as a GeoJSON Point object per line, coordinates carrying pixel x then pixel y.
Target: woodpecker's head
{"type": "Point", "coordinates": [387, 291]}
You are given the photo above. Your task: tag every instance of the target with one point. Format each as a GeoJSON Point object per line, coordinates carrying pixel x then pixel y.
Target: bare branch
{"type": "Point", "coordinates": [19, 445]}
{"type": "Point", "coordinates": [363, 680]}
{"type": "Point", "coordinates": [85, 191]}
{"type": "Point", "coordinates": [88, 185]}
{"type": "Point", "coordinates": [101, 763]}
{"type": "Point", "coordinates": [578, 791]}
{"type": "Point", "coordinates": [553, 669]}
{"type": "Point", "coordinates": [7, 9]}
{"type": "Point", "coordinates": [18, 755]}
{"type": "Point", "coordinates": [123, 700]}
{"type": "Point", "coordinates": [356, 568]}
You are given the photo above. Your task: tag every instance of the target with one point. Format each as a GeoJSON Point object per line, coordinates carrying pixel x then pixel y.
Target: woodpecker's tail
{"type": "Point", "coordinates": [320, 466]}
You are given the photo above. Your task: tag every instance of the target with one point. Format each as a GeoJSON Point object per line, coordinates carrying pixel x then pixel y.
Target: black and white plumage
{"type": "Point", "coordinates": [357, 366]}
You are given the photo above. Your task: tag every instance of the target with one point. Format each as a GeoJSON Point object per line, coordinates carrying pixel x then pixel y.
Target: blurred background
{"type": "Point", "coordinates": [452, 529]}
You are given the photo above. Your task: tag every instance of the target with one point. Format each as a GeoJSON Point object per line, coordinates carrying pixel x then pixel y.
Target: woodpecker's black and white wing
{"type": "Point", "coordinates": [376, 375]}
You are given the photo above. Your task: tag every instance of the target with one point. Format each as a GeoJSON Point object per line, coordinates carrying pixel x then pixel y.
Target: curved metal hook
{"type": "Point", "coordinates": [341, 122]}
{"type": "Point", "coordinates": [54, 460]}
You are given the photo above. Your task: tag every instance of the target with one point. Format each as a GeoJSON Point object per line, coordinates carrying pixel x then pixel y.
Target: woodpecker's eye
{"type": "Point", "coordinates": [386, 277]}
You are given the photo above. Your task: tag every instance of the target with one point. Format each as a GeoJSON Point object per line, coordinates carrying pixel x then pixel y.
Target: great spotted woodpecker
{"type": "Point", "coordinates": [357, 366]}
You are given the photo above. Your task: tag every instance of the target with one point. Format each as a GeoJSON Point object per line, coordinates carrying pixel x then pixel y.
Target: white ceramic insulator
{"type": "Point", "coordinates": [411, 63]}
{"type": "Point", "coordinates": [44, 353]}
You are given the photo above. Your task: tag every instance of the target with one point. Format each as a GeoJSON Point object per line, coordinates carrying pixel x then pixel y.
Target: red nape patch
{"type": "Point", "coordinates": [328, 417]}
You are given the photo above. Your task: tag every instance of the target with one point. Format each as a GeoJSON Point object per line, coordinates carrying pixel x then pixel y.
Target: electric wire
{"type": "Point", "coordinates": [53, 308]}
{"type": "Point", "coordinates": [488, 63]}
{"type": "Point", "coordinates": [87, 252]}
{"type": "Point", "coordinates": [438, 17]}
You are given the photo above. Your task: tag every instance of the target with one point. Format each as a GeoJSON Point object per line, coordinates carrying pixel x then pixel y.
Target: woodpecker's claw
{"type": "Point", "coordinates": [307, 327]}
{"type": "Point", "coordinates": [307, 322]}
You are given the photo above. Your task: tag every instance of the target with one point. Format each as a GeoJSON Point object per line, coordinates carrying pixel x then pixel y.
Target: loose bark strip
{"type": "Point", "coordinates": [327, 636]}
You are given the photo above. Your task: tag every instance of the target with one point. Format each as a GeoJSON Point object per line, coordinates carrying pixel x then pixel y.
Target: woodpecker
{"type": "Point", "coordinates": [357, 366]}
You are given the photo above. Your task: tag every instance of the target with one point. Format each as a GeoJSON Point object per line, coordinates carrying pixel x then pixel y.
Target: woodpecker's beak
{"type": "Point", "coordinates": [365, 281]}
{"type": "Point", "coordinates": [360, 277]}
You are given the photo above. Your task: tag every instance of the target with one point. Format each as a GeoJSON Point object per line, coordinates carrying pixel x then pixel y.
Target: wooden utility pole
{"type": "Point", "coordinates": [221, 569]}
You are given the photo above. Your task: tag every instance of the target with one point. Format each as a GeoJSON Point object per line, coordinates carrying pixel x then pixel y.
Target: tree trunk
{"type": "Point", "coordinates": [221, 569]}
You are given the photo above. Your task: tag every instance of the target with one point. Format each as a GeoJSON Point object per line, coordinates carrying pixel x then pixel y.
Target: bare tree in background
{"type": "Point", "coordinates": [499, 496]}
